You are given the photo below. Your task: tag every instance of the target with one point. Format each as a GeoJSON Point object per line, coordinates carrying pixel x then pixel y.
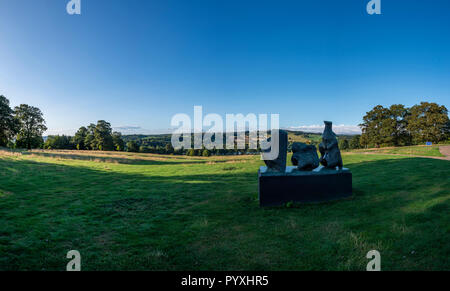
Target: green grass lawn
{"type": "Point", "coordinates": [426, 151]}
{"type": "Point", "coordinates": [432, 151]}
{"type": "Point", "coordinates": [147, 212]}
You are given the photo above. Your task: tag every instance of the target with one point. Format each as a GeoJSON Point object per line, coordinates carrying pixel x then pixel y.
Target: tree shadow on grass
{"type": "Point", "coordinates": [127, 161]}
{"type": "Point", "coordinates": [117, 160]}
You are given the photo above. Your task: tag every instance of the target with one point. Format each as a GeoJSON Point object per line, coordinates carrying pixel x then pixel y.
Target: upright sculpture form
{"type": "Point", "coordinates": [329, 148]}
{"type": "Point", "coordinates": [279, 164]}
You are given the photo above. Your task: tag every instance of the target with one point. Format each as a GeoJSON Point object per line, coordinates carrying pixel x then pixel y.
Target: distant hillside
{"type": "Point", "coordinates": [162, 140]}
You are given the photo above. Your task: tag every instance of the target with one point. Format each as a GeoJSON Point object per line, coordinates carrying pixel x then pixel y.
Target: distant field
{"type": "Point", "coordinates": [127, 211]}
{"type": "Point", "coordinates": [428, 151]}
{"type": "Point", "coordinates": [165, 139]}
{"type": "Point", "coordinates": [304, 137]}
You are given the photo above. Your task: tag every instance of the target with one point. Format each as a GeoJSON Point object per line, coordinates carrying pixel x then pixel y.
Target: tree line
{"type": "Point", "coordinates": [141, 147]}
{"type": "Point", "coordinates": [96, 137]}
{"type": "Point", "coordinates": [399, 125]}
{"type": "Point", "coordinates": [21, 127]}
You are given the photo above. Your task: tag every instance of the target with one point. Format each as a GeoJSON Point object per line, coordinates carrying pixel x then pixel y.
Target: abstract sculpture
{"type": "Point", "coordinates": [304, 156]}
{"type": "Point", "coordinates": [329, 148]}
{"type": "Point", "coordinates": [279, 164]}
{"type": "Point", "coordinates": [305, 182]}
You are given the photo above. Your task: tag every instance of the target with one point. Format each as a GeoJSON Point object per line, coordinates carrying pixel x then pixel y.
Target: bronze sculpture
{"type": "Point", "coordinates": [304, 156]}
{"type": "Point", "coordinates": [329, 148]}
{"type": "Point", "coordinates": [278, 164]}
{"type": "Point", "coordinates": [305, 182]}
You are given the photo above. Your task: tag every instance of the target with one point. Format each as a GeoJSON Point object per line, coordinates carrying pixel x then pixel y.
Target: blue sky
{"type": "Point", "coordinates": [137, 63]}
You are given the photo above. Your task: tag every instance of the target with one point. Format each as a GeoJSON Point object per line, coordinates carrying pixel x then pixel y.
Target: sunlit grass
{"type": "Point", "coordinates": [426, 151]}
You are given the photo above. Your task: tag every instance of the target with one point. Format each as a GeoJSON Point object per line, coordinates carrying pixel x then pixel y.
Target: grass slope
{"type": "Point", "coordinates": [146, 212]}
{"type": "Point", "coordinates": [426, 151]}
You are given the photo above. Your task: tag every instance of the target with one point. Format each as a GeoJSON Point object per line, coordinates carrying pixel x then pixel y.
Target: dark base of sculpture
{"type": "Point", "coordinates": [319, 185]}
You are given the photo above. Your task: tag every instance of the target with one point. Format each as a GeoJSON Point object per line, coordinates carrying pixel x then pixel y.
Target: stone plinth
{"type": "Point", "coordinates": [319, 185]}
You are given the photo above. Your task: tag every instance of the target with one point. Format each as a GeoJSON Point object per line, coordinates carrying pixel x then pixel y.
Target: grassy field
{"type": "Point", "coordinates": [426, 151]}
{"type": "Point", "coordinates": [304, 137]}
{"type": "Point", "coordinates": [146, 212]}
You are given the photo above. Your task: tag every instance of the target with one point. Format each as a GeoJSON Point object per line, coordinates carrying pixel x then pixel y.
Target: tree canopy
{"type": "Point", "coordinates": [31, 126]}
{"type": "Point", "coordinates": [399, 125]}
{"type": "Point", "coordinates": [80, 138]}
{"type": "Point", "coordinates": [61, 142]}
{"type": "Point", "coordinates": [98, 137]}
{"type": "Point", "coordinates": [103, 136]}
{"type": "Point", "coordinates": [428, 122]}
{"type": "Point", "coordinates": [8, 124]}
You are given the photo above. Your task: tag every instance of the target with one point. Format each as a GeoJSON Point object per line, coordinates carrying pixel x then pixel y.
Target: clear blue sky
{"type": "Point", "coordinates": [137, 63]}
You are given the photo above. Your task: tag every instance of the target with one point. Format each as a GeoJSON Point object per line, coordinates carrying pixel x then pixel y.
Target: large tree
{"type": "Point", "coordinates": [397, 126]}
{"type": "Point", "coordinates": [428, 122]}
{"type": "Point", "coordinates": [386, 126]}
{"type": "Point", "coordinates": [103, 136]}
{"type": "Point", "coordinates": [376, 127]}
{"type": "Point", "coordinates": [80, 138]}
{"type": "Point", "coordinates": [89, 141]}
{"type": "Point", "coordinates": [31, 126]}
{"type": "Point", "coordinates": [8, 125]}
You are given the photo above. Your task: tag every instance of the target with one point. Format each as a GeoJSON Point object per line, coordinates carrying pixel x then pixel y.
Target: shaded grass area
{"type": "Point", "coordinates": [184, 215]}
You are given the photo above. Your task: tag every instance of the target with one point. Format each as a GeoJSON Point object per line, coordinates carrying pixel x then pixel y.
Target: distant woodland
{"type": "Point", "coordinates": [22, 127]}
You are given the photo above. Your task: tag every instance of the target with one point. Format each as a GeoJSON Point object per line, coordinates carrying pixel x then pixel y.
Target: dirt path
{"type": "Point", "coordinates": [445, 150]}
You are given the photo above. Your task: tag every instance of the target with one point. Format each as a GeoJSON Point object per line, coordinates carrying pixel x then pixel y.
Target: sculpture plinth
{"type": "Point", "coordinates": [319, 185]}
